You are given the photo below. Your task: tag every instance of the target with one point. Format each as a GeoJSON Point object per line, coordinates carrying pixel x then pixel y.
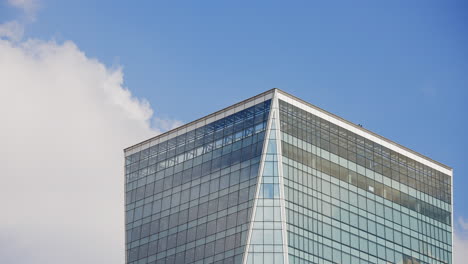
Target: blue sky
{"type": "Point", "coordinates": [398, 68]}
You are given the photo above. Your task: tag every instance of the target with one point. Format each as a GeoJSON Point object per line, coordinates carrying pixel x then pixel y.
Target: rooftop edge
{"type": "Point", "coordinates": [365, 130]}
{"type": "Point", "coordinates": [297, 99]}
{"type": "Point", "coordinates": [199, 119]}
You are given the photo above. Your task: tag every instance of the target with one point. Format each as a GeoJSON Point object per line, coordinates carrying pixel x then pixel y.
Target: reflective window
{"type": "Point", "coordinates": [342, 196]}
{"type": "Point", "coordinates": [179, 191]}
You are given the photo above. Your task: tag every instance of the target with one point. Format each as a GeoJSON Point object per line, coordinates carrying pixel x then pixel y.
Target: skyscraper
{"type": "Point", "coordinates": [274, 179]}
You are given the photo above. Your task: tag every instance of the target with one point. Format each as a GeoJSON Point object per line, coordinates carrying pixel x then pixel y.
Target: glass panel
{"type": "Point", "coordinates": [200, 175]}
{"type": "Point", "coordinates": [345, 193]}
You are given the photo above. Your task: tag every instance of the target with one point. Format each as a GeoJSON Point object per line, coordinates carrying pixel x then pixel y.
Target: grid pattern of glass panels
{"type": "Point", "coordinates": [189, 199]}
{"type": "Point", "coordinates": [364, 152]}
{"type": "Point", "coordinates": [266, 242]}
{"type": "Point", "coordinates": [349, 200]}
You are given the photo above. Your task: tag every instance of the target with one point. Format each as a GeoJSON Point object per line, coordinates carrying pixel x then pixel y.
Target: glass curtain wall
{"type": "Point", "coordinates": [350, 200]}
{"type": "Point", "coordinates": [283, 184]}
{"type": "Point", "coordinates": [189, 199]}
{"type": "Point", "coordinates": [266, 244]}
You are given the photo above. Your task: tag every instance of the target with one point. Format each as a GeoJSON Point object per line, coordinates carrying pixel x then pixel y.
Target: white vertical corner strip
{"type": "Point", "coordinates": [362, 133]}
{"type": "Point", "coordinates": [284, 233]}
{"type": "Point", "coordinates": [259, 183]}
{"type": "Point", "coordinates": [451, 215]}
{"type": "Point", "coordinates": [124, 202]}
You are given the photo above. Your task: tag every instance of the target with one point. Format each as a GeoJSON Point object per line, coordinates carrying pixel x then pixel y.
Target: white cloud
{"type": "Point", "coordinates": [14, 30]}
{"type": "Point", "coordinates": [162, 124]}
{"type": "Point", "coordinates": [463, 224]}
{"type": "Point", "coordinates": [23, 4]}
{"type": "Point", "coordinates": [64, 120]}
{"type": "Point", "coordinates": [460, 248]}
{"type": "Point", "coordinates": [11, 30]}
{"type": "Point", "coordinates": [460, 240]}
{"type": "Point", "coordinates": [29, 7]}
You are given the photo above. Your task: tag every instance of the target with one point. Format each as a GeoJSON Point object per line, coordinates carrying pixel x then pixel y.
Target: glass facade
{"type": "Point", "coordinates": [274, 183]}
{"type": "Point", "coordinates": [189, 199]}
{"type": "Point", "coordinates": [266, 243]}
{"type": "Point", "coordinates": [350, 200]}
